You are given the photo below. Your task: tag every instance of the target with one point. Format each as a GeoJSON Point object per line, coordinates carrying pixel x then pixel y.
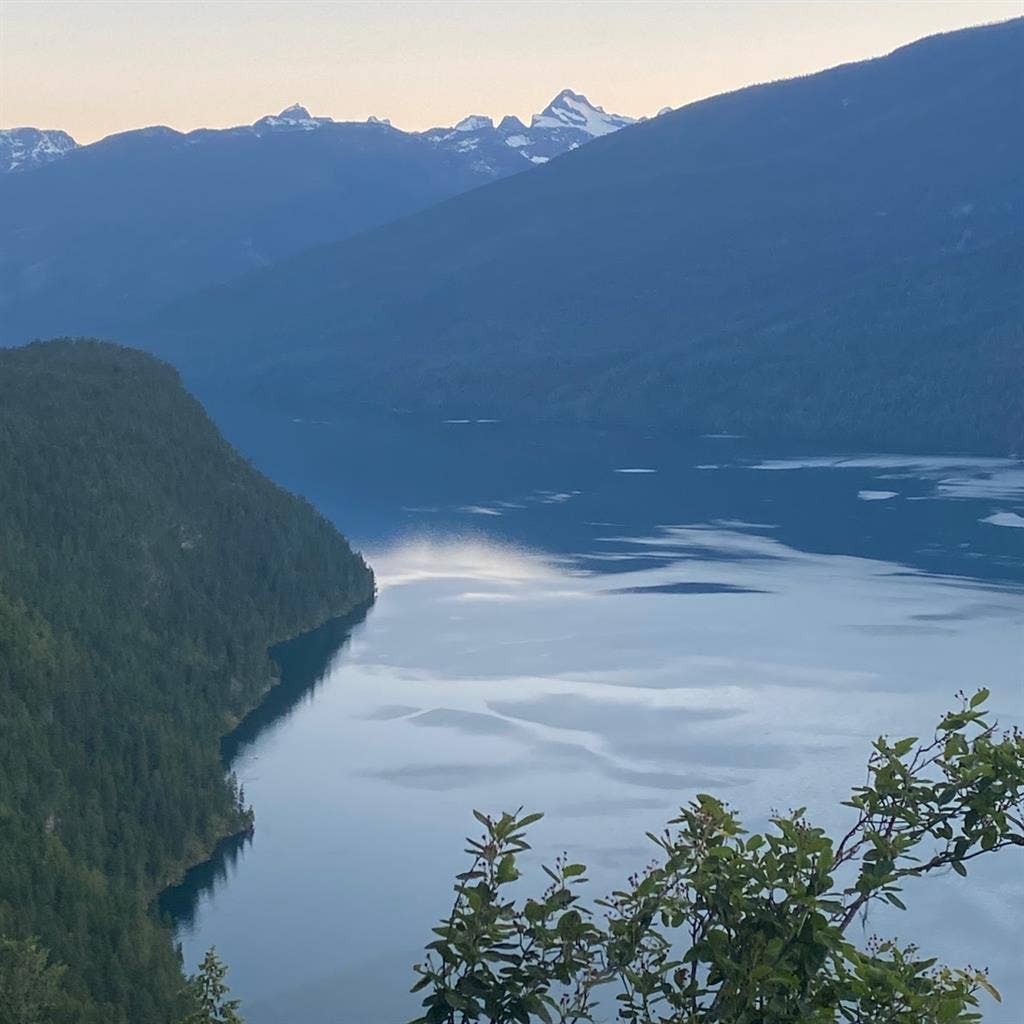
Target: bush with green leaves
{"type": "Point", "coordinates": [733, 928]}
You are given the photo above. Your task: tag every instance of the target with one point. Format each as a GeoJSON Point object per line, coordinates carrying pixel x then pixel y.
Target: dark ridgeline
{"type": "Point", "coordinates": [144, 568]}
{"type": "Point", "coordinates": [837, 257]}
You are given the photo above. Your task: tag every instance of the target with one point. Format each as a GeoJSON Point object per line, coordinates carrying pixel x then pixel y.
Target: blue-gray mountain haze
{"type": "Point", "coordinates": [93, 235]}
{"type": "Point", "coordinates": [838, 257]}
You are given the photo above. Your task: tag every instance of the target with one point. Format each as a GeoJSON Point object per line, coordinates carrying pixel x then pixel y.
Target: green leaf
{"type": "Point", "coordinates": [770, 919]}
{"type": "Point", "coordinates": [507, 871]}
{"type": "Point", "coordinates": [979, 698]}
{"type": "Point", "coordinates": [904, 746]}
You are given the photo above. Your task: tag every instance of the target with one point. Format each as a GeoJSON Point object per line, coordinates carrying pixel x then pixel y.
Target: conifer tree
{"type": "Point", "coordinates": [210, 993]}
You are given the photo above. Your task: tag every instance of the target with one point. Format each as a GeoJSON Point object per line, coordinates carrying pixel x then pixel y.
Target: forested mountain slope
{"type": "Point", "coordinates": [144, 568]}
{"type": "Point", "coordinates": [839, 256]}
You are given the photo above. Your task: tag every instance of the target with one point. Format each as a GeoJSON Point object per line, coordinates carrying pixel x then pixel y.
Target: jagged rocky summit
{"type": "Point", "coordinates": [23, 149]}
{"type": "Point", "coordinates": [567, 122]}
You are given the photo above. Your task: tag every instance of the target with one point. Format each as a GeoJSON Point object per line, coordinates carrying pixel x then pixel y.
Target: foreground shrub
{"type": "Point", "coordinates": [733, 928]}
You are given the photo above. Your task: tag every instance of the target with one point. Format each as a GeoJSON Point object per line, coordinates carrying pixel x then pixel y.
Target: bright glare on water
{"type": "Point", "coordinates": [598, 626]}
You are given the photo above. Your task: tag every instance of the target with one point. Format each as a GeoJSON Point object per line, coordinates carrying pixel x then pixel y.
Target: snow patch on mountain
{"type": "Point", "coordinates": [22, 149]}
{"type": "Point", "coordinates": [293, 118]}
{"type": "Point", "coordinates": [567, 122]}
{"type": "Point", "coordinates": [572, 110]}
{"type": "Point", "coordinates": [474, 123]}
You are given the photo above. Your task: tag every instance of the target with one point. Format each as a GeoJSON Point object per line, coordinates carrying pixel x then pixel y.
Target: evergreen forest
{"type": "Point", "coordinates": [145, 567]}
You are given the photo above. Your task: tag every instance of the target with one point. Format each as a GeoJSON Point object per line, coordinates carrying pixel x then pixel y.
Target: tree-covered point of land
{"type": "Point", "coordinates": [728, 927]}
{"type": "Point", "coordinates": [145, 566]}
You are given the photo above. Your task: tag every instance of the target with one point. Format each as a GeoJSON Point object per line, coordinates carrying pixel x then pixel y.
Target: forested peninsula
{"type": "Point", "coordinates": [145, 567]}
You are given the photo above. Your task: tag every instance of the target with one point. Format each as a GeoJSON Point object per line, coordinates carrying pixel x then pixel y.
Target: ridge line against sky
{"type": "Point", "coordinates": [95, 68]}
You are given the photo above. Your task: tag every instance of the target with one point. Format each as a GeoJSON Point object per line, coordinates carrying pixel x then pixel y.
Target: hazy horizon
{"type": "Point", "coordinates": [94, 69]}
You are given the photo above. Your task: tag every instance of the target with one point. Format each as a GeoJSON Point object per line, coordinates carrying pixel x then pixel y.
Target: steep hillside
{"type": "Point", "coordinates": [144, 569]}
{"type": "Point", "coordinates": [837, 256]}
{"type": "Point", "coordinates": [114, 229]}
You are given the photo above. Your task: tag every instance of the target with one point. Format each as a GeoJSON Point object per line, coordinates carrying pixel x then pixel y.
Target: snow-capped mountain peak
{"type": "Point", "coordinates": [474, 123]}
{"type": "Point", "coordinates": [22, 149]}
{"type": "Point", "coordinates": [293, 118]}
{"type": "Point", "coordinates": [573, 110]}
{"type": "Point", "coordinates": [569, 121]}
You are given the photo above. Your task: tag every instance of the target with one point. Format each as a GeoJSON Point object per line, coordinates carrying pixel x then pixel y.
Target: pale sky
{"type": "Point", "coordinates": [93, 68]}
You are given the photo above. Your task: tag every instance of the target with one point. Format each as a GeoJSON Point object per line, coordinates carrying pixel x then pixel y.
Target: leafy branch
{"type": "Point", "coordinates": [725, 927]}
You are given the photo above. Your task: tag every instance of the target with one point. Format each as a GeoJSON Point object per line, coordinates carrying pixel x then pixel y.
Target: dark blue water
{"type": "Point", "coordinates": [596, 625]}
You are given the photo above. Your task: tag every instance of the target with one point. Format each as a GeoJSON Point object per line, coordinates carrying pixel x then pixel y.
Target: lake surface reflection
{"type": "Point", "coordinates": [597, 626]}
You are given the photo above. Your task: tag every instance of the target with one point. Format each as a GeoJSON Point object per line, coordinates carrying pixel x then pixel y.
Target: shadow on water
{"type": "Point", "coordinates": [302, 663]}
{"type": "Point", "coordinates": [177, 905]}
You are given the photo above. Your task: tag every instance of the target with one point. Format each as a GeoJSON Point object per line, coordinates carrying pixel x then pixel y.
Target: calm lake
{"type": "Point", "coordinates": [597, 625]}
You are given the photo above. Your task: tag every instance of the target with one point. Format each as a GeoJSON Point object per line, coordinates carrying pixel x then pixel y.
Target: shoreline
{"type": "Point", "coordinates": [234, 832]}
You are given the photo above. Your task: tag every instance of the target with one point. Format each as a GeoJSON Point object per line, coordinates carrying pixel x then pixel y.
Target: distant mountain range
{"type": "Point", "coordinates": [839, 256]}
{"type": "Point", "coordinates": [90, 235]}
{"type": "Point", "coordinates": [567, 122]}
